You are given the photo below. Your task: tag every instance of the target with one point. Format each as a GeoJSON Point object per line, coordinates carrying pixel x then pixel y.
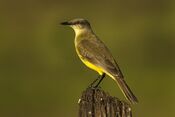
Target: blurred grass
{"type": "Point", "coordinates": [41, 75]}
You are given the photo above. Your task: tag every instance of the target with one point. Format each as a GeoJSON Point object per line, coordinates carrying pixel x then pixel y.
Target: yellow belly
{"type": "Point", "coordinates": [90, 65]}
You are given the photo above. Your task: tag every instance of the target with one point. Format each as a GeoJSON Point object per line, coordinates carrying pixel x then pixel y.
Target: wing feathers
{"type": "Point", "coordinates": [97, 53]}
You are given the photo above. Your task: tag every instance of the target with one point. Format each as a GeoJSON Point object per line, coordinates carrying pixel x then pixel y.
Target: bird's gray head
{"type": "Point", "coordinates": [79, 25]}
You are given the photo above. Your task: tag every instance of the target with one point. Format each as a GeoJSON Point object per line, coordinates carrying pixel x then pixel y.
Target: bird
{"type": "Point", "coordinates": [94, 54]}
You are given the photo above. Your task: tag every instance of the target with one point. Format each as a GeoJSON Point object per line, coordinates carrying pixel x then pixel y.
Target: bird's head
{"type": "Point", "coordinates": [79, 25]}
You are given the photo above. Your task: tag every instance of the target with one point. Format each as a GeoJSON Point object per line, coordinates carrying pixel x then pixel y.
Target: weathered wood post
{"type": "Point", "coordinates": [94, 102]}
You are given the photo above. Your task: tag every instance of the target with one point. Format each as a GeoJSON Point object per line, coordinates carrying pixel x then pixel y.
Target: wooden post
{"type": "Point", "coordinates": [94, 102]}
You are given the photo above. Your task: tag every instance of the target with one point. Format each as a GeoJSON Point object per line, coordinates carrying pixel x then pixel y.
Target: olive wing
{"type": "Point", "coordinates": [98, 54]}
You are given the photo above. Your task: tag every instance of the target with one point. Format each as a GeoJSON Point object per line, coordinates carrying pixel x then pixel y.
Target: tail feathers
{"type": "Point", "coordinates": [127, 91]}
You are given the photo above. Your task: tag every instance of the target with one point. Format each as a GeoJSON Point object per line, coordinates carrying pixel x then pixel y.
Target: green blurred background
{"type": "Point", "coordinates": [41, 75]}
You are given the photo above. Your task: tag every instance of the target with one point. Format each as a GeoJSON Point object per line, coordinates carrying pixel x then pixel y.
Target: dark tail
{"type": "Point", "coordinates": [127, 91]}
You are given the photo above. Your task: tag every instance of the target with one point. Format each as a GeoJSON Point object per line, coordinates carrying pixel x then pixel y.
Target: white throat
{"type": "Point", "coordinates": [81, 31]}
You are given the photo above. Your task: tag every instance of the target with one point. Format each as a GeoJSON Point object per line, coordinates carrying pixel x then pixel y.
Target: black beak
{"type": "Point", "coordinates": [65, 23]}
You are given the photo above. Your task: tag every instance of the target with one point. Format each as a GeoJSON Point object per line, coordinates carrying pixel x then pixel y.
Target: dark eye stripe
{"type": "Point", "coordinates": [79, 22]}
